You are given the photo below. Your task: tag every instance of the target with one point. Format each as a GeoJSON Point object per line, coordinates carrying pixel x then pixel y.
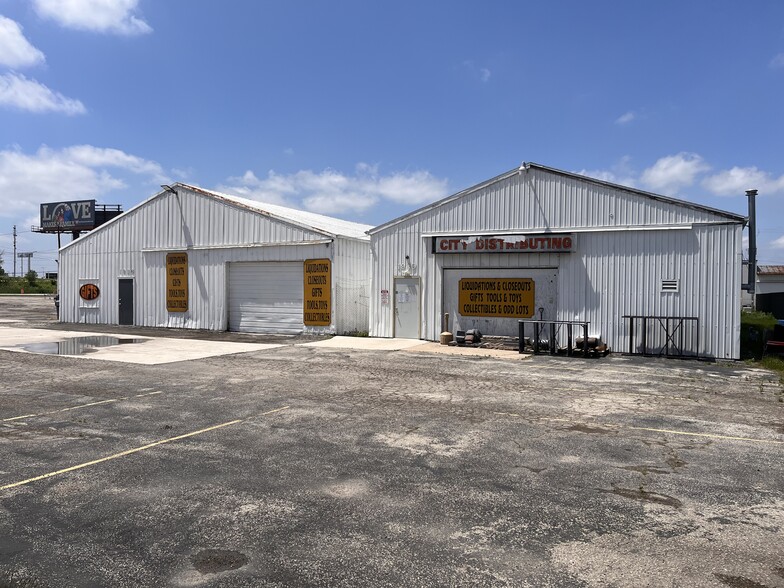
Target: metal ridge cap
{"type": "Point", "coordinates": [563, 230]}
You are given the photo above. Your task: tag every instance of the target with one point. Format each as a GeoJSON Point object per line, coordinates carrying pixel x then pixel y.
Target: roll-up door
{"type": "Point", "coordinates": [494, 300]}
{"type": "Point", "coordinates": [265, 297]}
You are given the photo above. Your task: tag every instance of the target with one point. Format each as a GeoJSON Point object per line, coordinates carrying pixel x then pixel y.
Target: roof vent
{"type": "Point", "coordinates": [669, 285]}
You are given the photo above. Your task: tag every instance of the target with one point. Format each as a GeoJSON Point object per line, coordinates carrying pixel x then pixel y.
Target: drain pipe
{"type": "Point", "coordinates": [751, 284]}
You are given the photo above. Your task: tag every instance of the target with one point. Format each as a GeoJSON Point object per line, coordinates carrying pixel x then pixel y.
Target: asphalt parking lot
{"type": "Point", "coordinates": [297, 465]}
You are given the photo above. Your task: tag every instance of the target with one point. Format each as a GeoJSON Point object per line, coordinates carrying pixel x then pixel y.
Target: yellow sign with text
{"type": "Point", "coordinates": [496, 297]}
{"type": "Point", "coordinates": [317, 310]}
{"type": "Point", "coordinates": [177, 282]}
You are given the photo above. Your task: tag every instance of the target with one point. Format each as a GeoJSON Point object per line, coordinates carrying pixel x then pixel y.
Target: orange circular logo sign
{"type": "Point", "coordinates": [89, 291]}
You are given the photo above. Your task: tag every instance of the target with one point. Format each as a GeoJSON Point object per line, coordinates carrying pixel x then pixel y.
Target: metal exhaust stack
{"type": "Point", "coordinates": [751, 284]}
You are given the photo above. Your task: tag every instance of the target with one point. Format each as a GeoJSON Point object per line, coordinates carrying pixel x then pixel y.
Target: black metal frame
{"type": "Point", "coordinates": [552, 349]}
{"type": "Point", "coordinates": [671, 326]}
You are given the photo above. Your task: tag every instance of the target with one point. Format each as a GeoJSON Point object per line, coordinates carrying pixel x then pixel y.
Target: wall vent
{"type": "Point", "coordinates": [669, 285]}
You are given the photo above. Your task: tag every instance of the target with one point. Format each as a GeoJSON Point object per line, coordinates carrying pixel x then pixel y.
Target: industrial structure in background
{"type": "Point", "coordinates": [193, 258]}
{"type": "Point", "coordinates": [770, 290]}
{"type": "Point", "coordinates": [647, 273]}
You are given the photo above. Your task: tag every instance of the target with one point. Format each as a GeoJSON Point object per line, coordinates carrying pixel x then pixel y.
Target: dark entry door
{"type": "Point", "coordinates": [126, 301]}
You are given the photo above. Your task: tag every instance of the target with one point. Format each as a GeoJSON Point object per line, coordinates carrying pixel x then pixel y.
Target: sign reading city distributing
{"type": "Point", "coordinates": [496, 297]}
{"type": "Point", "coordinates": [177, 282]}
{"type": "Point", "coordinates": [68, 216]}
{"type": "Point", "coordinates": [317, 311]}
{"type": "Point", "coordinates": [562, 243]}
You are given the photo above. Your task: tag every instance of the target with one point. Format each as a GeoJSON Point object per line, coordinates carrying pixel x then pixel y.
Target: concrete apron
{"type": "Point", "coordinates": [148, 350]}
{"type": "Point", "coordinates": [411, 345]}
{"type": "Point", "coordinates": [160, 350]}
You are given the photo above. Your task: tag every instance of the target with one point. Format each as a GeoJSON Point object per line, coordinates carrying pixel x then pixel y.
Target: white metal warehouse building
{"type": "Point", "coordinates": [193, 258]}
{"type": "Point", "coordinates": [584, 249]}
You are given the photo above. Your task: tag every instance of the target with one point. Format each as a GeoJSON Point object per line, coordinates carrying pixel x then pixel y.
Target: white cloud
{"type": "Point", "coordinates": [483, 74]}
{"type": "Point", "coordinates": [606, 175]}
{"type": "Point", "coordinates": [17, 91]}
{"type": "Point", "coordinates": [332, 192]}
{"type": "Point", "coordinates": [778, 243]}
{"type": "Point", "coordinates": [101, 16]}
{"type": "Point", "coordinates": [625, 118]}
{"type": "Point", "coordinates": [621, 173]}
{"type": "Point", "coordinates": [735, 181]}
{"type": "Point", "coordinates": [670, 173]}
{"type": "Point", "coordinates": [81, 171]}
{"type": "Point", "coordinates": [15, 50]}
{"type": "Point", "coordinates": [675, 171]}
{"type": "Point", "coordinates": [98, 157]}
{"type": "Point", "coordinates": [182, 174]}
{"type": "Point", "coordinates": [777, 61]}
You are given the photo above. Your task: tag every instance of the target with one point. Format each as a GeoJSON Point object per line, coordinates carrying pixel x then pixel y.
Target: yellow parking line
{"type": "Point", "coordinates": [135, 450]}
{"type": "Point", "coordinates": [29, 416]}
{"type": "Point", "coordinates": [711, 435]}
{"type": "Point", "coordinates": [673, 432]}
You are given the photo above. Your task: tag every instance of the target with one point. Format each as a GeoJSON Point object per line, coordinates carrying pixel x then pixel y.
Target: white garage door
{"type": "Point", "coordinates": [545, 298]}
{"type": "Point", "coordinates": [265, 297]}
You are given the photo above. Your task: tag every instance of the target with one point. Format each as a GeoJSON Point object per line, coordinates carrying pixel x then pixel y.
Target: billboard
{"type": "Point", "coordinates": [68, 216]}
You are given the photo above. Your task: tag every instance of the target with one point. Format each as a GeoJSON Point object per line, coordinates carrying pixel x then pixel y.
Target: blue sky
{"type": "Point", "coordinates": [367, 110]}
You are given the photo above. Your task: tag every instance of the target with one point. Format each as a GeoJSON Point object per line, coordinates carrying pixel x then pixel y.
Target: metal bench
{"type": "Point", "coordinates": [773, 347]}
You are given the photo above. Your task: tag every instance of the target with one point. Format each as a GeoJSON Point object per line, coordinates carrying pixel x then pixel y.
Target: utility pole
{"type": "Point", "coordinates": [14, 250]}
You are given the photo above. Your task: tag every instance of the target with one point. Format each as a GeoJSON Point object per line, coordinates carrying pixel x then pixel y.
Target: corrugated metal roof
{"type": "Point", "coordinates": [729, 215]}
{"type": "Point", "coordinates": [770, 270]}
{"type": "Point", "coordinates": [328, 226]}
{"type": "Point", "coordinates": [309, 220]}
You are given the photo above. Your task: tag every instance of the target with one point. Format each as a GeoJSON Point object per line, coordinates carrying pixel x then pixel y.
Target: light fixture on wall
{"type": "Point", "coordinates": [406, 269]}
{"type": "Point", "coordinates": [168, 188]}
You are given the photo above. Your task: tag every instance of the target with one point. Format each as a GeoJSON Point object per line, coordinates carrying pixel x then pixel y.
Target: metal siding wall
{"type": "Point", "coordinates": [389, 251]}
{"type": "Point", "coordinates": [612, 274]}
{"type": "Point", "coordinates": [175, 222]}
{"type": "Point", "coordinates": [351, 285]}
{"type": "Point", "coordinates": [609, 274]}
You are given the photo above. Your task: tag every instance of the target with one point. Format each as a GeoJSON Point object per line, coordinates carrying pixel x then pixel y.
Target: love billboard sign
{"type": "Point", "coordinates": [68, 216]}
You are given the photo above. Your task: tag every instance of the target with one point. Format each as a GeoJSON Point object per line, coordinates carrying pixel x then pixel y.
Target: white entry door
{"type": "Point", "coordinates": [407, 318]}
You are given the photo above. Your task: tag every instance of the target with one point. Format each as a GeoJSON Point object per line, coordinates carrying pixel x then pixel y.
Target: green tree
{"type": "Point", "coordinates": [31, 277]}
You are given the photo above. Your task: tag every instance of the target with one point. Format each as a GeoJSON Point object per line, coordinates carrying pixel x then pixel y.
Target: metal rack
{"type": "Point", "coordinates": [673, 330]}
{"type": "Point", "coordinates": [553, 328]}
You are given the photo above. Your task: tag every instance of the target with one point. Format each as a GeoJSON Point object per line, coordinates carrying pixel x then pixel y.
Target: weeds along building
{"type": "Point", "coordinates": [537, 242]}
{"type": "Point", "coordinates": [193, 258]}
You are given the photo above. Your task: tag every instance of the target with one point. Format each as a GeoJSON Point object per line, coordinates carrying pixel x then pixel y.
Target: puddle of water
{"type": "Point", "coordinates": [77, 345]}
{"type": "Point", "coordinates": [647, 496]}
{"type": "Point", "coordinates": [212, 561]}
